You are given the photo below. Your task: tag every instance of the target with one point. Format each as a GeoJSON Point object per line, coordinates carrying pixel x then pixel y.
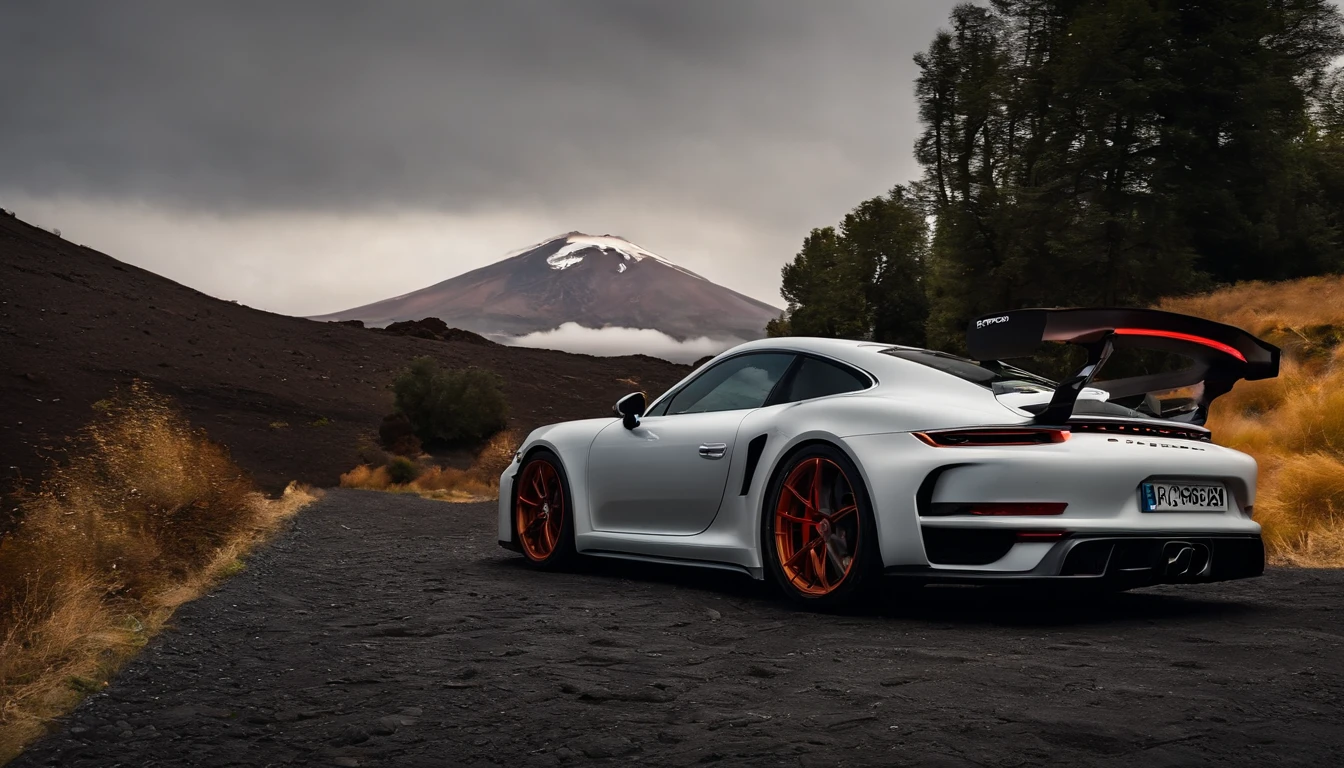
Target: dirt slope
{"type": "Point", "coordinates": [386, 630]}
{"type": "Point", "coordinates": [75, 323]}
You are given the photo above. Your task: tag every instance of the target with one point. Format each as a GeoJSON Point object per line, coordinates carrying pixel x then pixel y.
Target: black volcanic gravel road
{"type": "Point", "coordinates": [385, 630]}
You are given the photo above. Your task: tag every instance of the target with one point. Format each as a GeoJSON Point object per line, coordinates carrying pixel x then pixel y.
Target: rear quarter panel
{"type": "Point", "coordinates": [835, 420]}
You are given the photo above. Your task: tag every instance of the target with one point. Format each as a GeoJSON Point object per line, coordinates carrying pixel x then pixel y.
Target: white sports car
{"type": "Point", "coordinates": [825, 464]}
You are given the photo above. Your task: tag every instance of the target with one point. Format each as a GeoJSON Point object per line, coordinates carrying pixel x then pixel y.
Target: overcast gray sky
{"type": "Point", "coordinates": [305, 157]}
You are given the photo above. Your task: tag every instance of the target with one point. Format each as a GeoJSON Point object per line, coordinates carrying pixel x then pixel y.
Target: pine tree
{"type": "Point", "coordinates": [865, 281]}
{"type": "Point", "coordinates": [1113, 151]}
{"type": "Point", "coordinates": [825, 289]}
{"type": "Point", "coordinates": [887, 237]}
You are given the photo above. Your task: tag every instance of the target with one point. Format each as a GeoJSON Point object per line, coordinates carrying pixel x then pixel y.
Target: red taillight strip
{"type": "Point", "coordinates": [999, 509]}
{"type": "Point", "coordinates": [995, 508]}
{"type": "Point", "coordinates": [1142, 430]}
{"type": "Point", "coordinates": [966, 438]}
{"type": "Point", "coordinates": [1040, 535]}
{"type": "Point", "coordinates": [1218, 345]}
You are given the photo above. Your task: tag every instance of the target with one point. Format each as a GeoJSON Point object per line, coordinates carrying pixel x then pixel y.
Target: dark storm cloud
{"type": "Point", "coordinates": [765, 106]}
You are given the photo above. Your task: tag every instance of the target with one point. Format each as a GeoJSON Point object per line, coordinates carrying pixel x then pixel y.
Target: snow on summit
{"type": "Point", "coordinates": [560, 292]}
{"type": "Point", "coordinates": [576, 243]}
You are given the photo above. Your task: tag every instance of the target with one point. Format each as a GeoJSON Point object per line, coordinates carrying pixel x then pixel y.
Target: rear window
{"type": "Point", "coordinates": [1000, 378]}
{"type": "Point", "coordinates": [1133, 367]}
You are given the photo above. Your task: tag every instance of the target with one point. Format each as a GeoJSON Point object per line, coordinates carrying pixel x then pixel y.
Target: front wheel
{"type": "Point", "coordinates": [819, 535]}
{"type": "Point", "coordinates": [543, 521]}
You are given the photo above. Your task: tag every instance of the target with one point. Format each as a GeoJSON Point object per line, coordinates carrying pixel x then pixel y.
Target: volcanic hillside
{"type": "Point", "coordinates": [291, 398]}
{"type": "Point", "coordinates": [595, 281]}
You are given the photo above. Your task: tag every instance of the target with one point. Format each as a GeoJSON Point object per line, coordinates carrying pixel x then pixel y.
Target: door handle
{"type": "Point", "coordinates": [713, 450]}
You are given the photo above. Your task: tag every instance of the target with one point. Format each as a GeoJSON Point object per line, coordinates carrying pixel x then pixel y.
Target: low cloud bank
{"type": "Point", "coordinates": [610, 341]}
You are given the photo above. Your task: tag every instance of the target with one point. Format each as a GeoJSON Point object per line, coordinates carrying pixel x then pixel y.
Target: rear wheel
{"type": "Point", "coordinates": [819, 535]}
{"type": "Point", "coordinates": [542, 519]}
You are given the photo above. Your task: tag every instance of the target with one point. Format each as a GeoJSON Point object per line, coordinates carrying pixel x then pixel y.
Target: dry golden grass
{"type": "Point", "coordinates": [1303, 512]}
{"type": "Point", "coordinates": [1293, 425]}
{"type": "Point", "coordinates": [146, 515]}
{"type": "Point", "coordinates": [480, 482]}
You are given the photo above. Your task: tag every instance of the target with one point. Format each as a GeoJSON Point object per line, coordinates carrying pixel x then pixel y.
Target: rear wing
{"type": "Point", "coordinates": [1220, 354]}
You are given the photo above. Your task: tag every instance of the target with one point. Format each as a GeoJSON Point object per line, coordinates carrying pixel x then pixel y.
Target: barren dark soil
{"type": "Point", "coordinates": [385, 630]}
{"type": "Point", "coordinates": [291, 398]}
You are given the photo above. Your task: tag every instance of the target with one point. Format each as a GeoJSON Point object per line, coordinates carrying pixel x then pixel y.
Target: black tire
{"type": "Point", "coordinates": [865, 571]}
{"type": "Point", "coordinates": [561, 553]}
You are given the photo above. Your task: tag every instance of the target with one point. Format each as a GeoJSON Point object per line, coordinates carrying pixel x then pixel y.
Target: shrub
{"type": "Point", "coordinates": [454, 484]}
{"type": "Point", "coordinates": [143, 516]}
{"type": "Point", "coordinates": [145, 496]}
{"type": "Point", "coordinates": [398, 436]}
{"type": "Point", "coordinates": [450, 406]}
{"type": "Point", "coordinates": [478, 482]}
{"type": "Point", "coordinates": [402, 471]}
{"type": "Point", "coordinates": [367, 477]}
{"type": "Point", "coordinates": [495, 456]}
{"type": "Point", "coordinates": [372, 454]}
{"type": "Point", "coordinates": [1303, 508]}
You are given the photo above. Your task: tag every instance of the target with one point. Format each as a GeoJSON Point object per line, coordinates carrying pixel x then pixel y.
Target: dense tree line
{"type": "Point", "coordinates": [1082, 152]}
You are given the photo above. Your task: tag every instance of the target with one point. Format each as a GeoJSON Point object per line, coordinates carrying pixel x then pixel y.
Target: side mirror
{"type": "Point", "coordinates": [631, 408]}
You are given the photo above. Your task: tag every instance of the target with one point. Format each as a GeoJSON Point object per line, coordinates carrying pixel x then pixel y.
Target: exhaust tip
{"type": "Point", "coordinates": [1185, 560]}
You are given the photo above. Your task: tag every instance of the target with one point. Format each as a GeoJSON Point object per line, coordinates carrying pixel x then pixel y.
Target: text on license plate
{"type": "Point", "coordinates": [1183, 497]}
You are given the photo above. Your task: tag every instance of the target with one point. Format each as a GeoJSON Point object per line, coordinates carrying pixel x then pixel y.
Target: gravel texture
{"type": "Point", "coordinates": [386, 630]}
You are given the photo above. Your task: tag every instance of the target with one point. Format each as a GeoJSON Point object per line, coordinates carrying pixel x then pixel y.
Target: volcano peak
{"type": "Point", "coordinates": [595, 281]}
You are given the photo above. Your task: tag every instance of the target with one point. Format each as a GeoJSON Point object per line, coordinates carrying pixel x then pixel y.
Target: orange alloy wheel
{"type": "Point", "coordinates": [816, 527]}
{"type": "Point", "coordinates": [540, 510]}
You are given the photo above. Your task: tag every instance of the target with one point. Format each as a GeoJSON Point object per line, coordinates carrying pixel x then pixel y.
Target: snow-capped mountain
{"type": "Point", "coordinates": [596, 281]}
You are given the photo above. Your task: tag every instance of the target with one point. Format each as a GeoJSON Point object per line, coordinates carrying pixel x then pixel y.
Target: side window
{"type": "Point", "coordinates": [740, 382]}
{"type": "Point", "coordinates": [818, 378]}
{"type": "Point", "coordinates": [659, 409]}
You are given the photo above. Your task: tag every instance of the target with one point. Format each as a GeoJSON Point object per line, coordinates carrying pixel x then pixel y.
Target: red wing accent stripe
{"type": "Point", "coordinates": [1218, 345]}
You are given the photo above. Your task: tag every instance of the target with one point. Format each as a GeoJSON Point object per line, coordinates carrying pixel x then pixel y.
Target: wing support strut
{"type": "Point", "coordinates": [1059, 410]}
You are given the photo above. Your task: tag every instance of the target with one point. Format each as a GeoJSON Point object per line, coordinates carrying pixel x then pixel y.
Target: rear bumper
{"type": "Point", "coordinates": [1098, 477]}
{"type": "Point", "coordinates": [1124, 559]}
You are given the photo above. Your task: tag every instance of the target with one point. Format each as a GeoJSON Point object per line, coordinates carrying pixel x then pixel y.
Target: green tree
{"type": "Point", "coordinates": [1114, 151]}
{"type": "Point", "coordinates": [865, 281]}
{"type": "Point", "coordinates": [779, 327]}
{"type": "Point", "coordinates": [825, 289]}
{"type": "Point", "coordinates": [1324, 156]}
{"type": "Point", "coordinates": [887, 238]}
{"type": "Point", "coordinates": [450, 406]}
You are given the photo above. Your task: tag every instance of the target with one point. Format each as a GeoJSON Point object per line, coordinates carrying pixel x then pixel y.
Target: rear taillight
{"type": "Point", "coordinates": [989, 437]}
{"type": "Point", "coordinates": [1132, 429]}
{"type": "Point", "coordinates": [998, 508]}
{"type": "Point", "coordinates": [1040, 535]}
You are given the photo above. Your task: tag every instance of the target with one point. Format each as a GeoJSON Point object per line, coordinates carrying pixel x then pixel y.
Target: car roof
{"type": "Point", "coordinates": [844, 349]}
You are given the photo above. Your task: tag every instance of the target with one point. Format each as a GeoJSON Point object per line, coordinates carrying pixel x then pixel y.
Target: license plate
{"type": "Point", "coordinates": [1183, 497]}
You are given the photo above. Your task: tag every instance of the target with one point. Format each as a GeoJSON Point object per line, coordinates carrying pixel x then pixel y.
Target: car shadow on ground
{"type": "Point", "coordinates": [1017, 605]}
{"type": "Point", "coordinates": [1040, 607]}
